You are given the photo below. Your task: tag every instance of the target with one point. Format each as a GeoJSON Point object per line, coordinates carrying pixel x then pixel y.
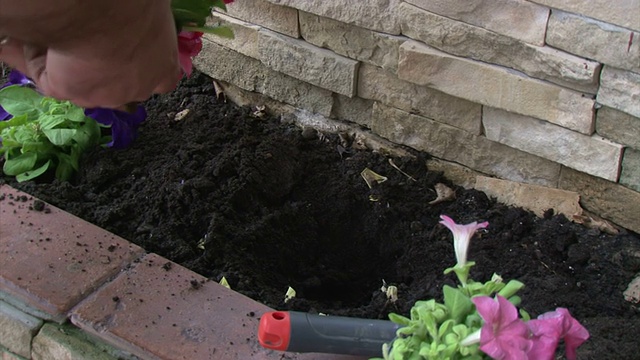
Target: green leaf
{"type": "Point", "coordinates": [457, 302]}
{"type": "Point", "coordinates": [26, 133]}
{"type": "Point", "coordinates": [399, 319]}
{"type": "Point", "coordinates": [8, 145]}
{"type": "Point", "coordinates": [222, 31]}
{"type": "Point", "coordinates": [431, 323]}
{"type": "Point", "coordinates": [19, 164]}
{"type": "Point", "coordinates": [219, 4]}
{"type": "Point", "coordinates": [28, 175]}
{"type": "Point", "coordinates": [473, 321]}
{"type": "Point", "coordinates": [37, 147]}
{"type": "Point", "coordinates": [88, 134]}
{"type": "Point", "coordinates": [406, 331]}
{"type": "Point", "coordinates": [60, 137]}
{"type": "Point", "coordinates": [515, 300]}
{"type": "Point", "coordinates": [76, 114]}
{"type": "Point", "coordinates": [512, 287]}
{"type": "Point", "coordinates": [18, 100]}
{"type": "Point", "coordinates": [51, 121]}
{"type": "Point", "coordinates": [65, 167]}
{"type": "Point", "coordinates": [445, 328]}
{"type": "Point", "coordinates": [194, 12]}
{"type": "Point", "coordinates": [14, 121]}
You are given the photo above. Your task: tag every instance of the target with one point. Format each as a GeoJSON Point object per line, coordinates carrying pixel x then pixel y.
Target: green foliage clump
{"type": "Point", "coordinates": [43, 134]}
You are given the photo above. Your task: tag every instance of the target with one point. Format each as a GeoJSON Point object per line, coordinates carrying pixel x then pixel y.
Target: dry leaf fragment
{"type": "Point", "coordinates": [359, 142]}
{"type": "Point", "coordinates": [443, 193]}
{"type": "Point", "coordinates": [372, 178]}
{"type": "Point", "coordinates": [290, 294]}
{"type": "Point", "coordinates": [345, 139]}
{"type": "Point", "coordinates": [225, 283]}
{"type": "Point", "coordinates": [632, 294]}
{"type": "Point", "coordinates": [390, 291]}
{"type": "Point", "coordinates": [260, 111]}
{"type": "Point", "coordinates": [181, 115]}
{"type": "Point", "coordinates": [219, 91]}
{"type": "Point", "coordinates": [593, 223]}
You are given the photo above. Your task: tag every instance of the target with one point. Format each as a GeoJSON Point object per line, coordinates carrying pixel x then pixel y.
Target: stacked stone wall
{"type": "Point", "coordinates": [544, 92]}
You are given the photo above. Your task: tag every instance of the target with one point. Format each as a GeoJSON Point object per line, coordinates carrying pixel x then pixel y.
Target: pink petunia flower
{"type": "Point", "coordinates": [503, 336]}
{"type": "Point", "coordinates": [549, 328]}
{"type": "Point", "coordinates": [461, 236]}
{"type": "Point", "coordinates": [189, 46]}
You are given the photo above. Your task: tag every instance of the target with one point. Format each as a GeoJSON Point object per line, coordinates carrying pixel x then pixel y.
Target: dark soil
{"type": "Point", "coordinates": [226, 193]}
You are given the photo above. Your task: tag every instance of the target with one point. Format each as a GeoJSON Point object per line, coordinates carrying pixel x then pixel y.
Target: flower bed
{"type": "Point", "coordinates": [231, 192]}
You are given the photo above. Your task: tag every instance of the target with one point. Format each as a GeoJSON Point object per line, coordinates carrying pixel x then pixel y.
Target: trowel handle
{"type": "Point", "coordinates": [302, 332]}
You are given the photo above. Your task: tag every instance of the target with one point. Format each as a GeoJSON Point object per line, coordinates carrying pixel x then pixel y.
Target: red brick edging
{"type": "Point", "coordinates": [57, 267]}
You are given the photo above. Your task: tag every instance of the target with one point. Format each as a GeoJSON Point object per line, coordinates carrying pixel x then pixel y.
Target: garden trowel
{"type": "Point", "coordinates": [302, 332]}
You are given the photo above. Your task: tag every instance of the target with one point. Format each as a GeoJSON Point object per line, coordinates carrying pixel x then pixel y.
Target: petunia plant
{"type": "Point", "coordinates": [480, 320]}
{"type": "Point", "coordinates": [38, 133]}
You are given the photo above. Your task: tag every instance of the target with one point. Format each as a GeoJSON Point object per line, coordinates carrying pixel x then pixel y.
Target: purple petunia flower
{"type": "Point", "coordinates": [15, 78]}
{"type": "Point", "coordinates": [4, 115]}
{"type": "Point", "coordinates": [124, 125]}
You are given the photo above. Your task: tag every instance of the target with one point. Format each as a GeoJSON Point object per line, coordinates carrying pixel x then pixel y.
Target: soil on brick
{"type": "Point", "coordinates": [227, 193]}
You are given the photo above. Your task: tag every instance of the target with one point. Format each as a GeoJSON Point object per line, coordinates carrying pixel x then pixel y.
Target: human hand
{"type": "Point", "coordinates": [107, 63]}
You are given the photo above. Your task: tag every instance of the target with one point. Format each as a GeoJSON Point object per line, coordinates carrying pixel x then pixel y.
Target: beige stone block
{"type": "Point", "coordinates": [377, 84]}
{"type": "Point", "coordinates": [620, 90]}
{"type": "Point", "coordinates": [594, 39]}
{"type": "Point", "coordinates": [621, 12]}
{"type": "Point", "coordinates": [612, 201]}
{"type": "Point", "coordinates": [250, 74]}
{"type": "Point", "coordinates": [535, 198]}
{"type": "Point", "coordinates": [351, 41]}
{"type": "Point", "coordinates": [264, 13]}
{"type": "Point", "coordinates": [309, 63]}
{"type": "Point", "coordinates": [591, 154]}
{"type": "Point", "coordinates": [452, 144]}
{"type": "Point", "coordinates": [458, 174]}
{"type": "Point", "coordinates": [245, 35]}
{"type": "Point", "coordinates": [518, 19]}
{"type": "Point", "coordinates": [630, 175]}
{"type": "Point", "coordinates": [52, 343]}
{"type": "Point", "coordinates": [618, 126]}
{"type": "Point", "coordinates": [495, 86]}
{"type": "Point", "coordinates": [305, 119]}
{"type": "Point", "coordinates": [464, 40]}
{"type": "Point", "coordinates": [376, 15]}
{"type": "Point", "coordinates": [17, 329]}
{"type": "Point", "coordinates": [355, 109]}
{"type": "Point", "coordinates": [242, 97]}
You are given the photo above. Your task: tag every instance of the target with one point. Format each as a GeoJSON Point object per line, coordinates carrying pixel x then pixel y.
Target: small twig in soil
{"type": "Point", "coordinates": [548, 268]}
{"type": "Point", "coordinates": [393, 165]}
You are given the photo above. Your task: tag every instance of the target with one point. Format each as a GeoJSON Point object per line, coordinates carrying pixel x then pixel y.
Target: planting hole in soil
{"type": "Point", "coordinates": [228, 193]}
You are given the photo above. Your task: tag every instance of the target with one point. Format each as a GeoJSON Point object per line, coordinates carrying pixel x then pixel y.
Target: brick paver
{"type": "Point", "coordinates": [50, 259]}
{"type": "Point", "coordinates": [159, 310]}
{"type": "Point", "coordinates": [57, 266]}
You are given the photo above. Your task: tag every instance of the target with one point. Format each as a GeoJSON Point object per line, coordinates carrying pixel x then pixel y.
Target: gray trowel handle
{"type": "Point", "coordinates": [302, 332]}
